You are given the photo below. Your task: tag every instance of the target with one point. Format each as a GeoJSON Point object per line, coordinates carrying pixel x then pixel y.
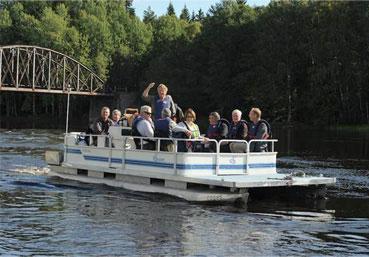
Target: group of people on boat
{"type": "Point", "coordinates": [162, 118]}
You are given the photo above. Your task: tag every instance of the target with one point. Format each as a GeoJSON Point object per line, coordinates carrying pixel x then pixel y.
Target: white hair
{"type": "Point", "coordinates": [145, 108]}
{"type": "Point", "coordinates": [237, 111]}
{"type": "Point", "coordinates": [116, 111]}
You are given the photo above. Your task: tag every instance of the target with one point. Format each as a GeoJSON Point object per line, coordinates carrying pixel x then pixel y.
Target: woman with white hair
{"type": "Point", "coordinates": [115, 116]}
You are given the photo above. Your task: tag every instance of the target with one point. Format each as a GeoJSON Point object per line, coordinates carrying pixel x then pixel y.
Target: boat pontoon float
{"type": "Point", "coordinates": [194, 176]}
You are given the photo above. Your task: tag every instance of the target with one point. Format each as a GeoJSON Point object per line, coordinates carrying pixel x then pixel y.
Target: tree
{"type": "Point", "coordinates": [170, 10]}
{"type": "Point", "coordinates": [200, 15]}
{"type": "Point", "coordinates": [193, 16]}
{"type": "Point", "coordinates": [149, 16]}
{"type": "Point", "coordinates": [185, 14]}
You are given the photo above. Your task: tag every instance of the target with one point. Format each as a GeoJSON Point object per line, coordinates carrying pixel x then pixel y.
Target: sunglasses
{"type": "Point", "coordinates": [189, 116]}
{"type": "Point", "coordinates": [148, 113]}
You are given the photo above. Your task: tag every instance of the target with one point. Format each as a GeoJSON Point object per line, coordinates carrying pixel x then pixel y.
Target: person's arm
{"type": "Point", "coordinates": [145, 93]}
{"type": "Point", "coordinates": [223, 132]}
{"type": "Point", "coordinates": [97, 128]}
{"type": "Point", "coordinates": [260, 146]}
{"type": "Point", "coordinates": [261, 131]}
{"type": "Point", "coordinates": [244, 131]}
{"type": "Point", "coordinates": [173, 108]}
{"type": "Point", "coordinates": [180, 128]}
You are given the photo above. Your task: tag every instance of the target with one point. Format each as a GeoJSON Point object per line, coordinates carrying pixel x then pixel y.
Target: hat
{"type": "Point", "coordinates": [166, 113]}
{"type": "Point", "coordinates": [145, 108]}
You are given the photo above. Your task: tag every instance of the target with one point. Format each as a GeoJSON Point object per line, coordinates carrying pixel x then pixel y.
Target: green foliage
{"type": "Point", "coordinates": [5, 20]}
{"type": "Point", "coordinates": [149, 16]}
{"type": "Point", "coordinates": [185, 14]}
{"type": "Point", "coordinates": [170, 10]}
{"type": "Point", "coordinates": [299, 61]}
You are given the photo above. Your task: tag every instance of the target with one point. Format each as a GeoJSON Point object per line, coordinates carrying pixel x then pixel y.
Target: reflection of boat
{"type": "Point", "coordinates": [193, 176]}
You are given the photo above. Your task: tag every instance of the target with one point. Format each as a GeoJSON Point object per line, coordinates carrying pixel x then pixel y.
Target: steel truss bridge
{"type": "Point", "coordinates": [36, 69]}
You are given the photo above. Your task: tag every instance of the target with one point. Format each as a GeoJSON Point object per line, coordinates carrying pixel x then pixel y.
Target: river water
{"type": "Point", "coordinates": [40, 217]}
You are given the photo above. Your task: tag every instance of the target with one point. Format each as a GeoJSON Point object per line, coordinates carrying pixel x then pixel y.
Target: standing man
{"type": "Point", "coordinates": [159, 102]}
{"type": "Point", "coordinates": [237, 130]}
{"type": "Point", "coordinates": [143, 126]}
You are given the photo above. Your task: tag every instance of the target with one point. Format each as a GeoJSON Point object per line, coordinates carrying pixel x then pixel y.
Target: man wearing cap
{"type": "Point", "coordinates": [143, 126]}
{"type": "Point", "coordinates": [164, 128]}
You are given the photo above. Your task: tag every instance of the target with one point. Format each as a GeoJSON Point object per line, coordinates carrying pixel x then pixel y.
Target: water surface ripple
{"type": "Point", "coordinates": [40, 216]}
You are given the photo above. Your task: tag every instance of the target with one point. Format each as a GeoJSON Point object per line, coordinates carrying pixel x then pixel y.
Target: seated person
{"type": "Point", "coordinates": [258, 129]}
{"type": "Point", "coordinates": [189, 124]}
{"type": "Point", "coordinates": [179, 116]}
{"type": "Point", "coordinates": [237, 130]}
{"type": "Point", "coordinates": [116, 115]}
{"type": "Point", "coordinates": [143, 126]}
{"type": "Point", "coordinates": [102, 124]}
{"type": "Point", "coordinates": [164, 128]}
{"type": "Point", "coordinates": [218, 130]}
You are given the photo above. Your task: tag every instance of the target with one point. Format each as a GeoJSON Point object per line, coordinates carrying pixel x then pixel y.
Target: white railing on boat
{"type": "Point", "coordinates": [107, 141]}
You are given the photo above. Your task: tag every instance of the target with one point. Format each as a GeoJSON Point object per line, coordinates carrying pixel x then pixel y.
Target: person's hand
{"type": "Point", "coordinates": [188, 133]}
{"type": "Point", "coordinates": [206, 139]}
{"type": "Point", "coordinates": [151, 85]}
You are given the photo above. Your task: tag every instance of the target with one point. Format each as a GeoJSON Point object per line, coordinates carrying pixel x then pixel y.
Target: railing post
{"type": "Point", "coordinates": [124, 153]}
{"type": "Point", "coordinates": [34, 69]}
{"type": "Point", "coordinates": [65, 147]}
{"type": "Point", "coordinates": [1, 66]}
{"type": "Point", "coordinates": [49, 80]}
{"type": "Point", "coordinates": [175, 156]}
{"type": "Point", "coordinates": [17, 75]}
{"type": "Point", "coordinates": [78, 77]}
{"type": "Point", "coordinates": [63, 73]}
{"type": "Point", "coordinates": [217, 158]}
{"type": "Point", "coordinates": [247, 156]}
{"type": "Point", "coordinates": [158, 145]}
{"type": "Point", "coordinates": [110, 149]}
{"type": "Point", "coordinates": [91, 83]}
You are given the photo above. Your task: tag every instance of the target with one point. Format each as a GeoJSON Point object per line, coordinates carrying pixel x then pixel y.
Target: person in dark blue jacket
{"type": "Point", "coordinates": [164, 127]}
{"type": "Point", "coordinates": [218, 130]}
{"type": "Point", "coordinates": [258, 129]}
{"type": "Point", "coordinates": [238, 131]}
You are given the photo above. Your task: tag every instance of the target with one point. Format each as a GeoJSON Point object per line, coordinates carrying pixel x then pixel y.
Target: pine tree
{"type": "Point", "coordinates": [129, 8]}
{"type": "Point", "coordinates": [200, 15]}
{"type": "Point", "coordinates": [185, 14]}
{"type": "Point", "coordinates": [170, 10]}
{"type": "Point", "coordinates": [149, 16]}
{"type": "Point", "coordinates": [193, 16]}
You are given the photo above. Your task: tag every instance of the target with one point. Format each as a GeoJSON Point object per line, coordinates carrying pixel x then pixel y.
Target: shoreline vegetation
{"type": "Point", "coordinates": [300, 62]}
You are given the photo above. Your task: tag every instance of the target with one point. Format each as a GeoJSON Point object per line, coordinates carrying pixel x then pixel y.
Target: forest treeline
{"type": "Point", "coordinates": [299, 61]}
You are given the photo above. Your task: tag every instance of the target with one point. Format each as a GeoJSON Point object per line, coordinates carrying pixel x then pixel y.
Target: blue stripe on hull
{"type": "Point", "coordinates": [171, 165]}
{"type": "Point", "coordinates": [74, 151]}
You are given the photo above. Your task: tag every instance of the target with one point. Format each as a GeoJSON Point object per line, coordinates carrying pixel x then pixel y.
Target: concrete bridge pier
{"type": "Point", "coordinates": [120, 100]}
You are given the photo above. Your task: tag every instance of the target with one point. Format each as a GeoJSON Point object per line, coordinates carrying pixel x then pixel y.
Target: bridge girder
{"type": "Point", "coordinates": [36, 69]}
